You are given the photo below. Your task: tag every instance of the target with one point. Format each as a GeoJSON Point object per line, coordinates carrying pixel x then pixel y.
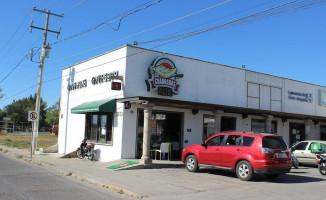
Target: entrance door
{"type": "Point", "coordinates": [165, 127]}
{"type": "Point", "coordinates": [297, 133]}
{"type": "Point", "coordinates": [322, 132]}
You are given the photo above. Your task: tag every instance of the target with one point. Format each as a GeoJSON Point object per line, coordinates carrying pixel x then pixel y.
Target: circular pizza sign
{"type": "Point", "coordinates": [163, 77]}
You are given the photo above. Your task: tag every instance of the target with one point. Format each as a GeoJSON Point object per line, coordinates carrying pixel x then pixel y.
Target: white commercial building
{"type": "Point", "coordinates": [130, 99]}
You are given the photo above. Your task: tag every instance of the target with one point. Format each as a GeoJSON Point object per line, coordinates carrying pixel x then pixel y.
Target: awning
{"type": "Point", "coordinates": [106, 105]}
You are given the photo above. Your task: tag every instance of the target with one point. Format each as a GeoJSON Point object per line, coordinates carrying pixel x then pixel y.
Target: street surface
{"type": "Point", "coordinates": [305, 183]}
{"type": "Point", "coordinates": [21, 180]}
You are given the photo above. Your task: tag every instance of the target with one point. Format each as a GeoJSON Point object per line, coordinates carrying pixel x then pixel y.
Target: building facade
{"type": "Point", "coordinates": [130, 100]}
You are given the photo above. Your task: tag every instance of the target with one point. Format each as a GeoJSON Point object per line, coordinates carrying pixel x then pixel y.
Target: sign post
{"type": "Point", "coordinates": [32, 117]}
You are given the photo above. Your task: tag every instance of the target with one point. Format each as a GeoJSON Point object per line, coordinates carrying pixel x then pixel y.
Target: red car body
{"type": "Point", "coordinates": [266, 153]}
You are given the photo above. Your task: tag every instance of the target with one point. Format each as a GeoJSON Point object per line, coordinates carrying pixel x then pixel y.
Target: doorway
{"type": "Point", "coordinates": [164, 127]}
{"type": "Point", "coordinates": [297, 133]}
{"type": "Point", "coordinates": [322, 132]}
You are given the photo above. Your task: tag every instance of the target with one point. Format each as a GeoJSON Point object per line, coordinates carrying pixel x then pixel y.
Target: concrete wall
{"type": "Point", "coordinates": [202, 82]}
{"type": "Point", "coordinates": [73, 132]}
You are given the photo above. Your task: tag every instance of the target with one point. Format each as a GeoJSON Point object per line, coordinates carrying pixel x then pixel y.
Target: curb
{"type": "Point", "coordinates": [7, 152]}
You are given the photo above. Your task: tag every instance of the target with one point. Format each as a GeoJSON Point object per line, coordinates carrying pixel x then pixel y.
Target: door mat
{"type": "Point", "coordinates": [125, 164]}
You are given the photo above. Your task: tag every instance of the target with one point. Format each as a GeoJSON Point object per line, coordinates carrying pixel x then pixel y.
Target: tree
{"type": "Point", "coordinates": [18, 110]}
{"type": "Point", "coordinates": [52, 114]}
{"type": "Point", "coordinates": [1, 95]}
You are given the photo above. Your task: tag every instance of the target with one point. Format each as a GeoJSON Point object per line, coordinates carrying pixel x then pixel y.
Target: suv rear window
{"type": "Point", "coordinates": [247, 141]}
{"type": "Point", "coordinates": [274, 143]}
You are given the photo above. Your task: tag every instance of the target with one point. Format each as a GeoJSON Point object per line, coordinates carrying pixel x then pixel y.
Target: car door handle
{"type": "Point", "coordinates": [238, 149]}
{"type": "Point", "coordinates": [217, 150]}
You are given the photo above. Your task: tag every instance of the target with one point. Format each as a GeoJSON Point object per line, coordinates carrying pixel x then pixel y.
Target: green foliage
{"type": "Point", "coordinates": [18, 110]}
{"type": "Point", "coordinates": [52, 114]}
{"type": "Point", "coordinates": [1, 95]}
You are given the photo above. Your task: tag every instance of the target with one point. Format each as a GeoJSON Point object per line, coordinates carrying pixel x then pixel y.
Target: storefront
{"type": "Point", "coordinates": [131, 100]}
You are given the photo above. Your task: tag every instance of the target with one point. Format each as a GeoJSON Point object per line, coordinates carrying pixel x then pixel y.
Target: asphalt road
{"type": "Point", "coordinates": [24, 181]}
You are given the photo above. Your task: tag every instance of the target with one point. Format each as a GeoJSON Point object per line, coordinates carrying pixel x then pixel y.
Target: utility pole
{"type": "Point", "coordinates": [44, 54]}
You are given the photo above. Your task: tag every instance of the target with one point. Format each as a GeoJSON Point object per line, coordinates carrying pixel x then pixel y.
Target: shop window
{"type": "Point", "coordinates": [99, 128]}
{"type": "Point", "coordinates": [322, 132]}
{"type": "Point", "coordinates": [228, 124]}
{"type": "Point", "coordinates": [258, 125]}
{"type": "Point", "coordinates": [209, 127]}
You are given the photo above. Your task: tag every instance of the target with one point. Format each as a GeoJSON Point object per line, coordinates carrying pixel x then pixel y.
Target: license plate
{"type": "Point", "coordinates": [281, 155]}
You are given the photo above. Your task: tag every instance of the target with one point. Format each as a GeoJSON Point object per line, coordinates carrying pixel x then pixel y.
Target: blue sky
{"type": "Point", "coordinates": [290, 45]}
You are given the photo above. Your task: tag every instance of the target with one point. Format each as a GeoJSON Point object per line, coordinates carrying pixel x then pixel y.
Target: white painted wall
{"type": "Point", "coordinates": [73, 132]}
{"type": "Point", "coordinates": [203, 82]}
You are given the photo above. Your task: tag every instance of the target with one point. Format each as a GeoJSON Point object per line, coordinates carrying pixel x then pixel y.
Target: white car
{"type": "Point", "coordinates": [303, 153]}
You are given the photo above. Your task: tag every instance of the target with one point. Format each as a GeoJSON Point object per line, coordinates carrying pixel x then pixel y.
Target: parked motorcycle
{"type": "Point", "coordinates": [321, 161]}
{"type": "Point", "coordinates": [294, 159]}
{"type": "Point", "coordinates": [86, 150]}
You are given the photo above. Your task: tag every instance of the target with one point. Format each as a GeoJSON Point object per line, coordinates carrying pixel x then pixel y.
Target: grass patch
{"type": "Point", "coordinates": [0, 149]}
{"type": "Point", "coordinates": [51, 164]}
{"type": "Point", "coordinates": [23, 141]}
{"type": "Point", "coordinates": [6, 151]}
{"type": "Point", "coordinates": [19, 156]}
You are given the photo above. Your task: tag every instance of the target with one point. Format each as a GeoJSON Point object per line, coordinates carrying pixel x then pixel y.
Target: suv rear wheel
{"type": "Point", "coordinates": [191, 163]}
{"type": "Point", "coordinates": [244, 171]}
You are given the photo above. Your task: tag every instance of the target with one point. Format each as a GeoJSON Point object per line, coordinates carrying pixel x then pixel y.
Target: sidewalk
{"type": "Point", "coordinates": [133, 181]}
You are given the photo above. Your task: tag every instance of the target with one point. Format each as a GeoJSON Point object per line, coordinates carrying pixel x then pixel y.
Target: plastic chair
{"type": "Point", "coordinates": [165, 148]}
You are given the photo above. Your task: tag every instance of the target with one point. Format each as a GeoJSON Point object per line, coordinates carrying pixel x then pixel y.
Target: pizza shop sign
{"type": "Point", "coordinates": [163, 77]}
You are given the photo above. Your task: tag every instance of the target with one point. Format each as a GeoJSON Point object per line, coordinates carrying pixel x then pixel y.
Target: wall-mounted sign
{"type": "Point", "coordinates": [103, 78]}
{"type": "Point", "coordinates": [163, 77]}
{"type": "Point", "coordinates": [322, 97]}
{"type": "Point", "coordinates": [300, 96]}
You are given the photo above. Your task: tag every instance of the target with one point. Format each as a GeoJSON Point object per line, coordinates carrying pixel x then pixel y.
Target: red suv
{"type": "Point", "coordinates": [246, 153]}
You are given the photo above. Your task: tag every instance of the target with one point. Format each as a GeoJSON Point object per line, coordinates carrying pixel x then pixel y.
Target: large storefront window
{"type": "Point", "coordinates": [228, 124]}
{"type": "Point", "coordinates": [99, 128]}
{"type": "Point", "coordinates": [322, 132]}
{"type": "Point", "coordinates": [209, 127]}
{"type": "Point", "coordinates": [258, 125]}
{"type": "Point", "coordinates": [165, 127]}
{"type": "Point", "coordinates": [297, 133]}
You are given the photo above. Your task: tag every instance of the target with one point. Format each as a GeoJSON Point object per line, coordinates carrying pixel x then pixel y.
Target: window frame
{"type": "Point", "coordinates": [109, 124]}
{"type": "Point", "coordinates": [221, 144]}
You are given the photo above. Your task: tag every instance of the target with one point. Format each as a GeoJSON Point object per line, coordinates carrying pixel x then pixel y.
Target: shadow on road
{"type": "Point", "coordinates": [294, 177]}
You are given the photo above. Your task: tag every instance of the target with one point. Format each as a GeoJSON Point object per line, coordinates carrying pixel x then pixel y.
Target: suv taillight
{"type": "Point", "coordinates": [267, 150]}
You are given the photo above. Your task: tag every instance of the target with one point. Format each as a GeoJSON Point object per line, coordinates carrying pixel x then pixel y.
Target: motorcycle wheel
{"type": "Point", "coordinates": [296, 164]}
{"type": "Point", "coordinates": [322, 168]}
{"type": "Point", "coordinates": [79, 154]}
{"type": "Point", "coordinates": [91, 156]}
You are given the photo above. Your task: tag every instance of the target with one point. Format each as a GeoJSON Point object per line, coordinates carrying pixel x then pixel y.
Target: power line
{"type": "Point", "coordinates": [107, 22]}
{"type": "Point", "coordinates": [13, 68]}
{"type": "Point", "coordinates": [214, 27]}
{"type": "Point", "coordinates": [277, 10]}
{"type": "Point", "coordinates": [74, 6]}
{"type": "Point", "coordinates": [17, 65]}
{"type": "Point", "coordinates": [258, 15]}
{"type": "Point", "coordinates": [138, 33]}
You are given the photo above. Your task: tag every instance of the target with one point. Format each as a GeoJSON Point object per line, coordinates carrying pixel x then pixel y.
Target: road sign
{"type": "Point", "coordinates": [33, 116]}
